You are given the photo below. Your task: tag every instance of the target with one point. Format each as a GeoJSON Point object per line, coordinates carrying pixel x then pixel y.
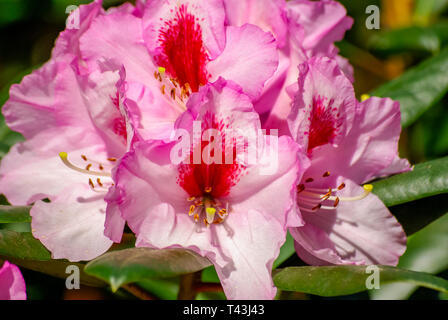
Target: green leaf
{"type": "Point", "coordinates": [286, 251]}
{"type": "Point", "coordinates": [427, 251]}
{"type": "Point", "coordinates": [395, 41]}
{"type": "Point", "coordinates": [56, 268]}
{"type": "Point", "coordinates": [11, 214]}
{"type": "Point", "coordinates": [22, 245]}
{"type": "Point", "coordinates": [165, 289]}
{"type": "Point", "coordinates": [344, 280]}
{"type": "Point", "coordinates": [419, 88]}
{"type": "Point", "coordinates": [136, 264]}
{"type": "Point", "coordinates": [425, 10]}
{"type": "Point", "coordinates": [425, 180]}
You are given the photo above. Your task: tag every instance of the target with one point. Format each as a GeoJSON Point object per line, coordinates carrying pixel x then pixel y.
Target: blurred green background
{"type": "Point", "coordinates": [411, 31]}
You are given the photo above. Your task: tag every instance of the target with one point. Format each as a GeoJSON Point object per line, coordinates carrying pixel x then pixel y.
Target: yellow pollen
{"type": "Point", "coordinates": [364, 97]}
{"type": "Point", "coordinates": [192, 207]}
{"type": "Point", "coordinates": [368, 187]}
{"type": "Point", "coordinates": [161, 70]}
{"type": "Point", "coordinates": [210, 213]}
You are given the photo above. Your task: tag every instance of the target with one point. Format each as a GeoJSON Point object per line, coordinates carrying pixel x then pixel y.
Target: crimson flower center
{"type": "Point", "coordinates": [207, 183]}
{"type": "Point", "coordinates": [182, 50]}
{"type": "Point", "coordinates": [324, 123]}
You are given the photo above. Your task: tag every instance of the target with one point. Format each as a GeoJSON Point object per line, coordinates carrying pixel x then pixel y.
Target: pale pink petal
{"type": "Point", "coordinates": [71, 226]}
{"type": "Point", "coordinates": [320, 22]}
{"type": "Point", "coordinates": [359, 232]}
{"type": "Point", "coordinates": [102, 97]}
{"type": "Point", "coordinates": [250, 58]}
{"type": "Point", "coordinates": [48, 97]}
{"type": "Point", "coordinates": [114, 223]}
{"type": "Point", "coordinates": [227, 102]}
{"type": "Point", "coordinates": [280, 167]}
{"type": "Point", "coordinates": [248, 246]}
{"type": "Point", "coordinates": [322, 84]}
{"type": "Point", "coordinates": [273, 91]}
{"type": "Point", "coordinates": [119, 36]}
{"type": "Point", "coordinates": [346, 67]}
{"type": "Point", "coordinates": [158, 111]}
{"type": "Point", "coordinates": [369, 148]}
{"type": "Point", "coordinates": [67, 44]}
{"type": "Point", "coordinates": [12, 285]}
{"type": "Point", "coordinates": [32, 169]}
{"type": "Point", "coordinates": [267, 14]}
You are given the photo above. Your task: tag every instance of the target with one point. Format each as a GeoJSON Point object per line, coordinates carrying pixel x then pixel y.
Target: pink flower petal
{"type": "Point", "coordinates": [266, 14]}
{"type": "Point", "coordinates": [359, 232]}
{"type": "Point", "coordinates": [369, 148]}
{"type": "Point", "coordinates": [324, 106]}
{"type": "Point", "coordinates": [250, 58]}
{"type": "Point", "coordinates": [32, 169]}
{"type": "Point", "coordinates": [71, 226]}
{"type": "Point", "coordinates": [12, 285]}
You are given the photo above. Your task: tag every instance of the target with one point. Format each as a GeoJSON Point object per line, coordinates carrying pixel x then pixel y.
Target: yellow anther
{"type": "Point", "coordinates": [161, 70]}
{"type": "Point", "coordinates": [368, 187]}
{"type": "Point", "coordinates": [63, 155]}
{"type": "Point", "coordinates": [365, 97]}
{"type": "Point", "coordinates": [192, 207]}
{"type": "Point", "coordinates": [210, 211]}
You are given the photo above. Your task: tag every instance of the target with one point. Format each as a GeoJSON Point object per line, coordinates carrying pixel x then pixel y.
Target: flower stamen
{"type": "Point", "coordinates": [64, 158]}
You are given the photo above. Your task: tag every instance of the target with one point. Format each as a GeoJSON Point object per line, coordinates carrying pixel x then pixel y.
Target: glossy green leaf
{"type": "Point", "coordinates": [427, 251]}
{"type": "Point", "coordinates": [344, 280]}
{"type": "Point", "coordinates": [425, 10]}
{"type": "Point", "coordinates": [425, 180]}
{"type": "Point", "coordinates": [22, 245]}
{"type": "Point", "coordinates": [418, 39]}
{"type": "Point", "coordinates": [416, 215]}
{"type": "Point", "coordinates": [419, 88]}
{"type": "Point", "coordinates": [136, 264]}
{"type": "Point", "coordinates": [286, 251]}
{"type": "Point", "coordinates": [12, 214]}
{"type": "Point", "coordinates": [56, 268]}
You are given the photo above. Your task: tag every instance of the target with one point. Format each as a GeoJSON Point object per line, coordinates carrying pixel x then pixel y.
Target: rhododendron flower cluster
{"type": "Point", "coordinates": [101, 122]}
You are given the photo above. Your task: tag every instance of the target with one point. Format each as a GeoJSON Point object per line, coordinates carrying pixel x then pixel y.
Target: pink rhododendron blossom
{"type": "Point", "coordinates": [103, 78]}
{"type": "Point", "coordinates": [349, 144]}
{"type": "Point", "coordinates": [171, 48]}
{"type": "Point", "coordinates": [303, 29]}
{"type": "Point", "coordinates": [12, 285]}
{"type": "Point", "coordinates": [60, 111]}
{"type": "Point", "coordinates": [230, 212]}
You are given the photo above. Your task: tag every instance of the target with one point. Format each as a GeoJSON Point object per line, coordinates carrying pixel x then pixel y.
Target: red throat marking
{"type": "Point", "coordinates": [324, 123]}
{"type": "Point", "coordinates": [183, 53]}
{"type": "Point", "coordinates": [214, 179]}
